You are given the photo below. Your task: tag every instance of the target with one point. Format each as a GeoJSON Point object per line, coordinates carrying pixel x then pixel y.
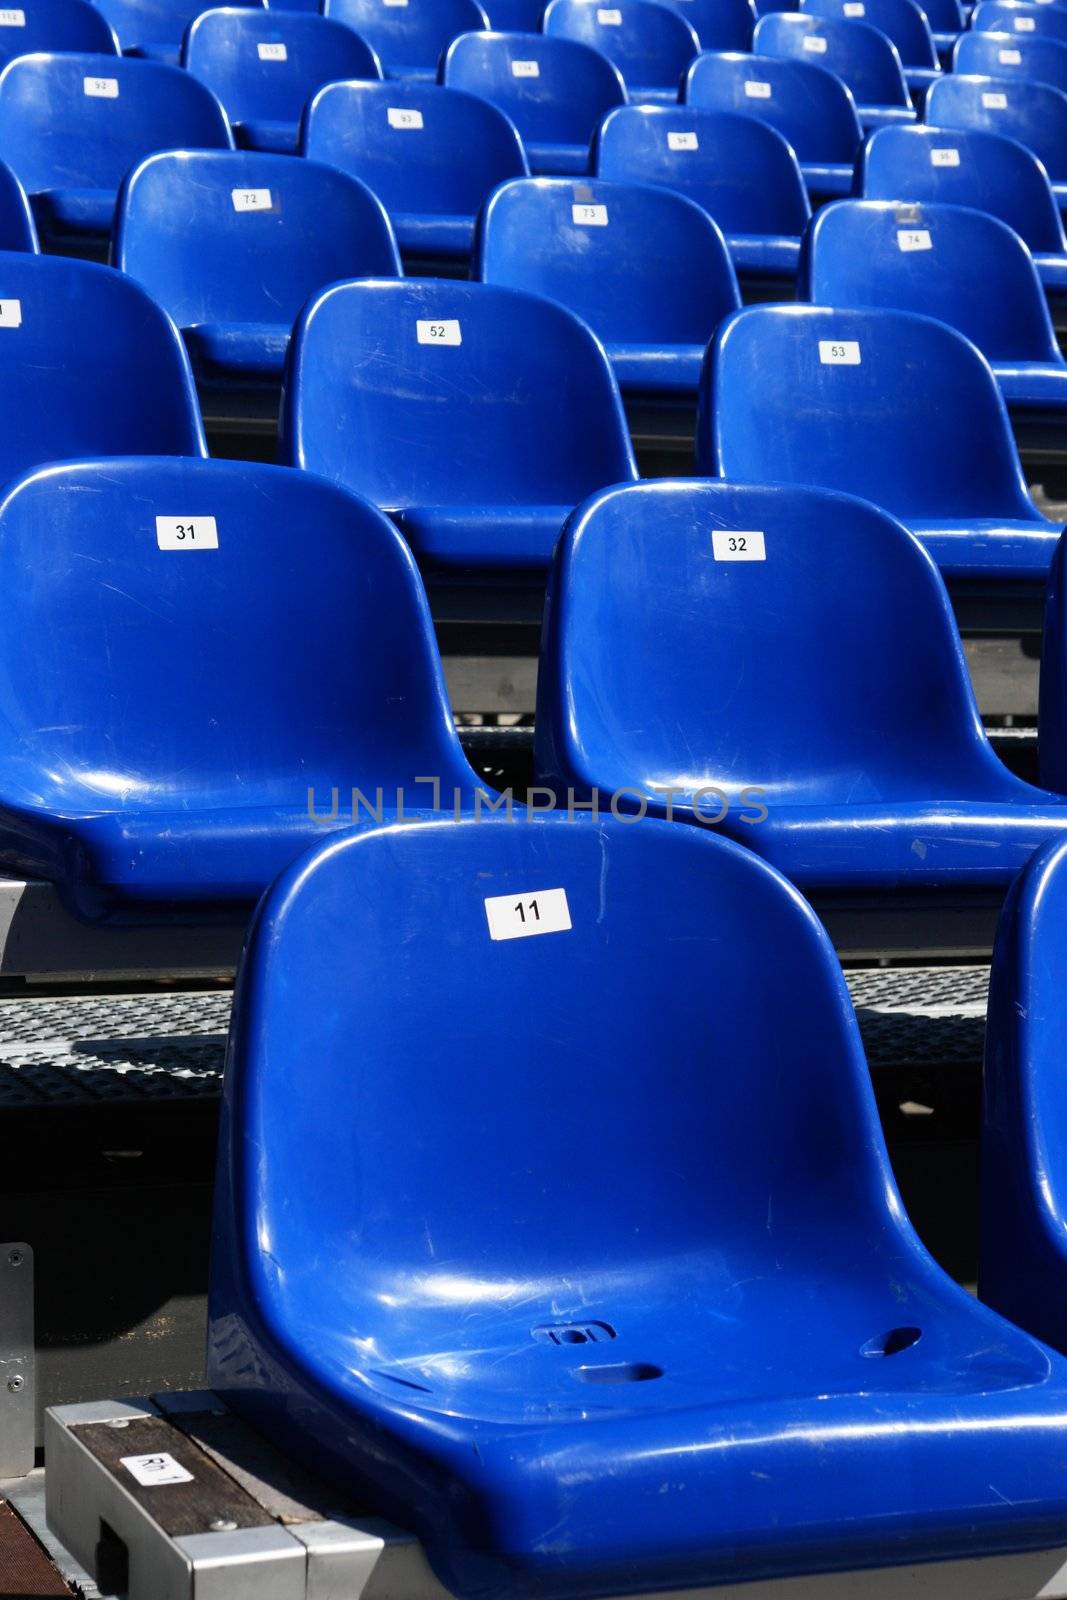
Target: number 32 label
{"type": "Point", "coordinates": [729, 545]}
{"type": "Point", "coordinates": [187, 533]}
{"type": "Point", "coordinates": [519, 916]}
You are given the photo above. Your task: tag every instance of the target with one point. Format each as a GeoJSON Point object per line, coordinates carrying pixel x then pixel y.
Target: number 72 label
{"type": "Point", "coordinates": [519, 916]}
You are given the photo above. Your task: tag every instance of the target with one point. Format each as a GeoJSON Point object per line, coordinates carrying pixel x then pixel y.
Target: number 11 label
{"type": "Point", "coordinates": [519, 916]}
{"type": "Point", "coordinates": [187, 533]}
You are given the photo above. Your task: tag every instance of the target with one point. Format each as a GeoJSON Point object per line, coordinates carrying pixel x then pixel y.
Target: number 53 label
{"type": "Point", "coordinates": [519, 916]}
{"type": "Point", "coordinates": [187, 533]}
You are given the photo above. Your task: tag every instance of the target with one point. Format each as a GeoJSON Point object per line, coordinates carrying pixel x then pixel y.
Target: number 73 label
{"type": "Point", "coordinates": [519, 916]}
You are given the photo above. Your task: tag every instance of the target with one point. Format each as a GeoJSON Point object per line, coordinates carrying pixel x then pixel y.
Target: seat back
{"type": "Point", "coordinates": [236, 236]}
{"type": "Point", "coordinates": [70, 327]}
{"type": "Point", "coordinates": [415, 35]}
{"type": "Point", "coordinates": [445, 393]}
{"type": "Point", "coordinates": [554, 90]}
{"type": "Point", "coordinates": [651, 44]}
{"type": "Point", "coordinates": [17, 228]}
{"type": "Point", "coordinates": [735, 580]}
{"type": "Point", "coordinates": [965, 168]}
{"type": "Point", "coordinates": [639, 265]}
{"type": "Point", "coordinates": [1012, 16]}
{"type": "Point", "coordinates": [268, 64]}
{"type": "Point", "coordinates": [999, 55]}
{"type": "Point", "coordinates": [806, 394]}
{"type": "Point", "coordinates": [157, 26]}
{"type": "Point", "coordinates": [1033, 113]}
{"type": "Point", "coordinates": [515, 16]}
{"type": "Point", "coordinates": [77, 121]}
{"type": "Point", "coordinates": [961, 266]}
{"type": "Point", "coordinates": [861, 56]}
{"type": "Point", "coordinates": [808, 105]}
{"type": "Point", "coordinates": [420, 148]}
{"type": "Point", "coordinates": [902, 21]}
{"type": "Point", "coordinates": [739, 169]}
{"type": "Point", "coordinates": [719, 24]}
{"type": "Point", "coordinates": [55, 25]}
{"type": "Point", "coordinates": [944, 16]}
{"type": "Point", "coordinates": [146, 689]}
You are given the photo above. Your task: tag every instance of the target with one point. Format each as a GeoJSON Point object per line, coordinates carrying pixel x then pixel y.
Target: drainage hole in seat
{"type": "Point", "coordinates": [620, 1372]}
{"type": "Point", "coordinates": [891, 1343]}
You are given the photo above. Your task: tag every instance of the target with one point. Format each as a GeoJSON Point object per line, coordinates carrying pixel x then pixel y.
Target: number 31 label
{"type": "Point", "coordinates": [187, 533]}
{"type": "Point", "coordinates": [729, 545]}
{"type": "Point", "coordinates": [519, 916]}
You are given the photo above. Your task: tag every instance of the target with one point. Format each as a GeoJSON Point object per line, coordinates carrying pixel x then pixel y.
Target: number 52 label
{"type": "Point", "coordinates": [519, 916]}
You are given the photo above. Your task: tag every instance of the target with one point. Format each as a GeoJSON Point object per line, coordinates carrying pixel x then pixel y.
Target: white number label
{"type": "Point", "coordinates": [438, 332]}
{"type": "Point", "coordinates": [525, 69]}
{"type": "Point", "coordinates": [151, 1471]}
{"type": "Point", "coordinates": [854, 8]}
{"type": "Point", "coordinates": [187, 533]}
{"type": "Point", "coordinates": [814, 45]}
{"type": "Point", "coordinates": [10, 313]}
{"type": "Point", "coordinates": [755, 90]}
{"type": "Point", "coordinates": [839, 352]}
{"type": "Point", "coordinates": [609, 19]}
{"type": "Point", "coordinates": [944, 158]}
{"type": "Point", "coordinates": [272, 52]}
{"type": "Point", "coordinates": [1025, 25]}
{"type": "Point", "coordinates": [401, 117]}
{"type": "Point", "coordinates": [394, 2]}
{"type": "Point", "coordinates": [1010, 58]}
{"type": "Point", "coordinates": [914, 239]}
{"type": "Point", "coordinates": [101, 88]}
{"type": "Point", "coordinates": [727, 545]}
{"type": "Point", "coordinates": [682, 141]}
{"type": "Point", "coordinates": [520, 916]}
{"type": "Point", "coordinates": [12, 19]}
{"type": "Point", "coordinates": [995, 102]}
{"type": "Point", "coordinates": [251, 199]}
{"type": "Point", "coordinates": [584, 216]}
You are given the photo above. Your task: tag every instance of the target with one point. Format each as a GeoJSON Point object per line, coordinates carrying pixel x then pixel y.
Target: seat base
{"type": "Point", "coordinates": [775, 255]}
{"type": "Point", "coordinates": [829, 178]}
{"type": "Point", "coordinates": [872, 117]}
{"type": "Point", "coordinates": [482, 536]}
{"type": "Point", "coordinates": [238, 349]}
{"type": "Point", "coordinates": [558, 160]}
{"type": "Point", "coordinates": [648, 369]}
{"type": "Point", "coordinates": [998, 548]}
{"type": "Point", "coordinates": [278, 138]}
{"type": "Point", "coordinates": [1037, 384]}
{"type": "Point", "coordinates": [427, 235]}
{"type": "Point", "coordinates": [74, 211]}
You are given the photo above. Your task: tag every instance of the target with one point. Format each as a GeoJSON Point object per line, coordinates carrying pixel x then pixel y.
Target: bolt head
{"type": "Point", "coordinates": [15, 1383]}
{"type": "Point", "coordinates": [222, 1525]}
{"type": "Point", "coordinates": [15, 1258]}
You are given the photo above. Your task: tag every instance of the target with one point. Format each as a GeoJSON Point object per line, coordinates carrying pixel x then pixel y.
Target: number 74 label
{"type": "Point", "coordinates": [520, 916]}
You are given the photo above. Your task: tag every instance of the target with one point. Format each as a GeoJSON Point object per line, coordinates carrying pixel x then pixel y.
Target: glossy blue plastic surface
{"type": "Point", "coordinates": [157, 748]}
{"type": "Point", "coordinates": [902, 21]}
{"type": "Point", "coordinates": [18, 231]}
{"type": "Point", "coordinates": [808, 105]}
{"type": "Point", "coordinates": [514, 16]}
{"type": "Point", "coordinates": [71, 150]}
{"type": "Point", "coordinates": [56, 25]}
{"type": "Point", "coordinates": [634, 1303]}
{"type": "Point", "coordinates": [861, 56]}
{"type": "Point", "coordinates": [1022, 1257]}
{"type": "Point", "coordinates": [738, 168]}
{"type": "Point", "coordinates": [409, 40]}
{"type": "Point", "coordinates": [1052, 720]}
{"type": "Point", "coordinates": [719, 24]}
{"type": "Point", "coordinates": [987, 172]}
{"type": "Point", "coordinates": [478, 448]}
{"type": "Point", "coordinates": [233, 280]}
{"type": "Point", "coordinates": [155, 28]}
{"type": "Point", "coordinates": [855, 256]}
{"type": "Point", "coordinates": [650, 273]}
{"type": "Point", "coordinates": [650, 44]}
{"type": "Point", "coordinates": [776, 407]}
{"type": "Point", "coordinates": [1033, 113]}
{"type": "Point", "coordinates": [861, 764]}
{"type": "Point", "coordinates": [432, 172]}
{"type": "Point", "coordinates": [1013, 16]}
{"type": "Point", "coordinates": [997, 55]}
{"type": "Point", "coordinates": [557, 110]}
{"type": "Point", "coordinates": [265, 97]}
{"type": "Point", "coordinates": [93, 367]}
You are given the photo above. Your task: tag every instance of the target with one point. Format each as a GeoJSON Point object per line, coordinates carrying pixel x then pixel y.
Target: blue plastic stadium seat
{"type": "Point", "coordinates": [265, 66]}
{"type": "Point", "coordinates": [177, 729]}
{"type": "Point", "coordinates": [431, 155]}
{"type": "Point", "coordinates": [515, 16]}
{"type": "Point", "coordinates": [477, 416]}
{"type": "Point", "coordinates": [1022, 1257]}
{"type": "Point", "coordinates": [647, 270]}
{"type": "Point", "coordinates": [72, 126]}
{"type": "Point", "coordinates": [719, 24]}
{"type": "Point", "coordinates": [89, 365]}
{"type": "Point", "coordinates": [1013, 16]}
{"type": "Point", "coordinates": [968, 168]}
{"type": "Point", "coordinates": [409, 39]}
{"type": "Point", "coordinates": [902, 21]}
{"type": "Point", "coordinates": [232, 243]}
{"type": "Point", "coordinates": [54, 25]}
{"type": "Point", "coordinates": [605, 1259]}
{"type": "Point", "coordinates": [650, 44]}
{"type": "Point", "coordinates": [155, 28]}
{"type": "Point", "coordinates": [555, 91]}
{"type": "Point", "coordinates": [1052, 717]}
{"type": "Point", "coordinates": [946, 18]}
{"type": "Point", "coordinates": [738, 168]}
{"type": "Point", "coordinates": [861, 56]}
{"type": "Point", "coordinates": [907, 257]}
{"type": "Point", "coordinates": [810, 395]}
{"type": "Point", "coordinates": [1000, 55]}
{"type": "Point", "coordinates": [809, 106]}
{"type": "Point", "coordinates": [829, 722]}
{"type": "Point", "coordinates": [18, 230]}
{"type": "Point", "coordinates": [1033, 113]}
